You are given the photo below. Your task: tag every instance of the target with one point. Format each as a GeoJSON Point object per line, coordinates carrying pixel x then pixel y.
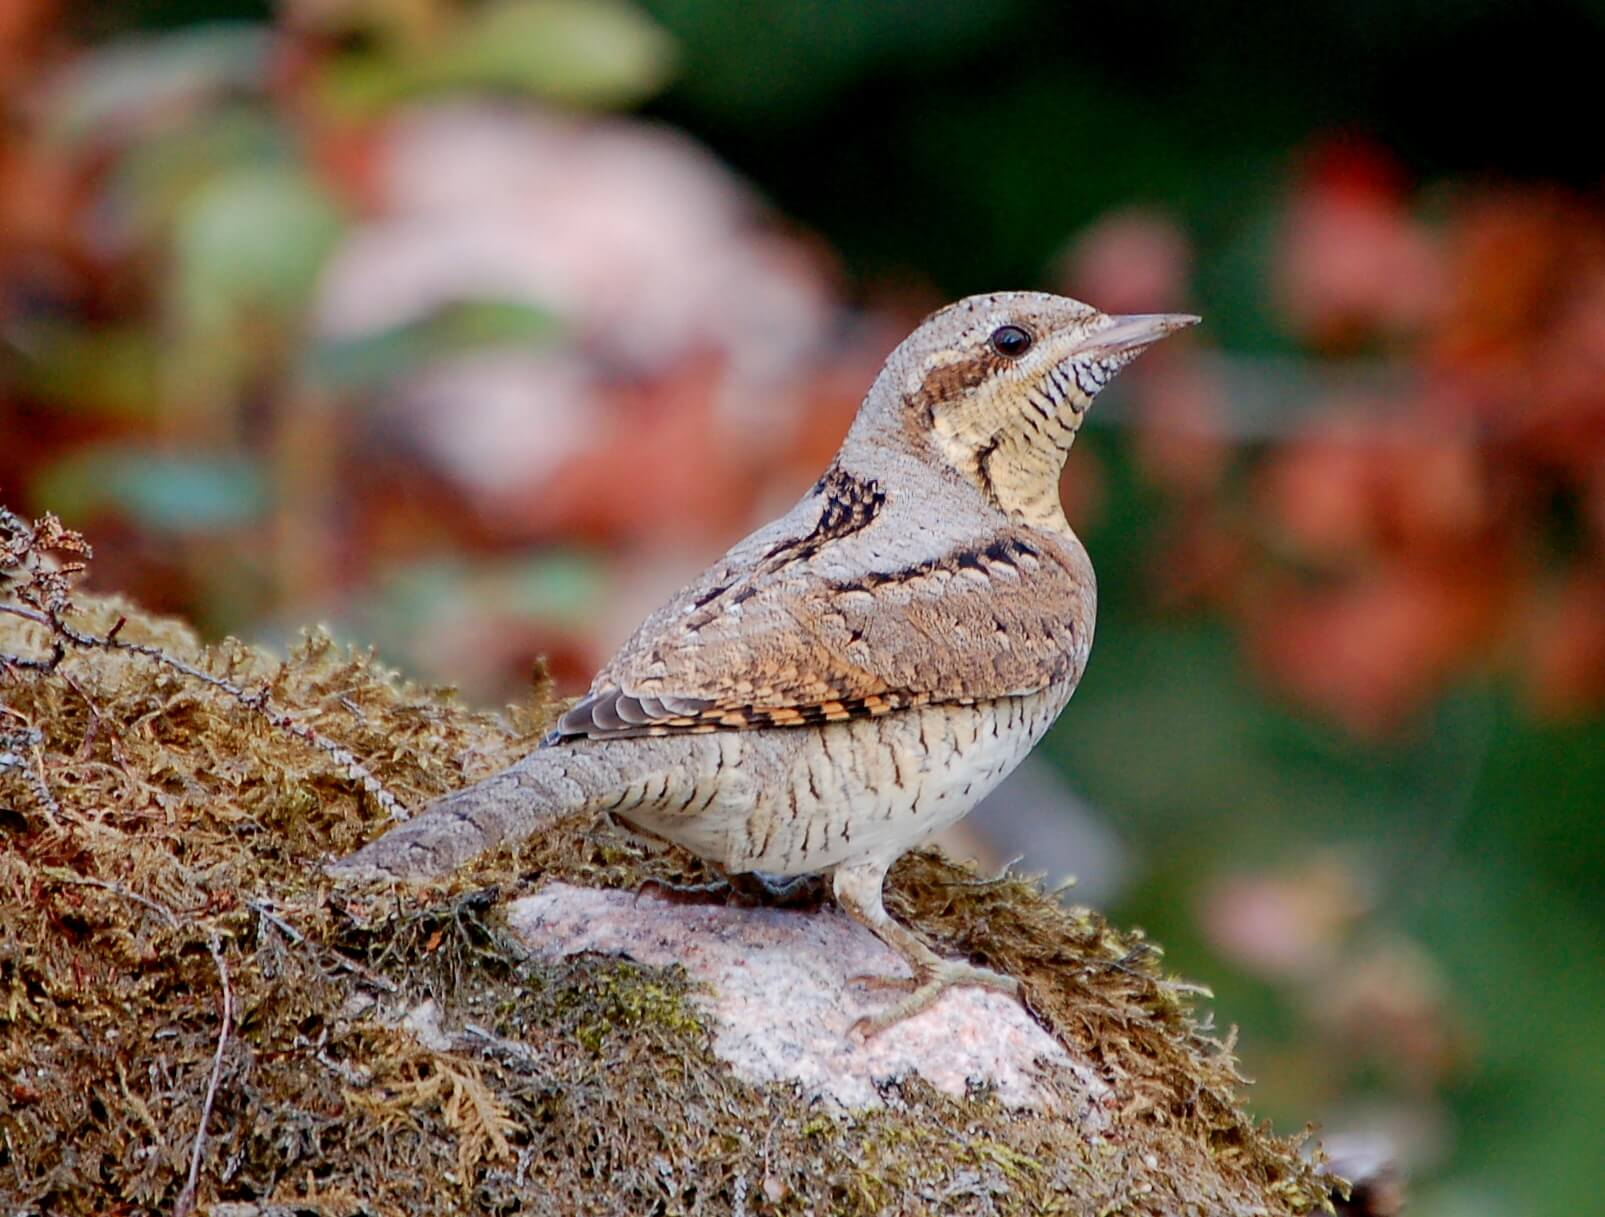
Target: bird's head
{"type": "Point", "coordinates": [996, 387]}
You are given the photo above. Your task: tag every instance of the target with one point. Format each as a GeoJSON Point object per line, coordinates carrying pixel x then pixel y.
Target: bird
{"type": "Point", "coordinates": [854, 677]}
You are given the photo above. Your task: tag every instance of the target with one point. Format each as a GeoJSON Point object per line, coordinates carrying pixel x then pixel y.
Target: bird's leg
{"type": "Point", "coordinates": [858, 891]}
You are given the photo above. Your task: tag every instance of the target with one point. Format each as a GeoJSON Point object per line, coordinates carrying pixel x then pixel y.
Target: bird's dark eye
{"type": "Point", "coordinates": [1011, 340]}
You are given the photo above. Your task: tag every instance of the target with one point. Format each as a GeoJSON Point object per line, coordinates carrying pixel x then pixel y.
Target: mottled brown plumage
{"type": "Point", "coordinates": [796, 643]}
{"type": "Point", "coordinates": [858, 674]}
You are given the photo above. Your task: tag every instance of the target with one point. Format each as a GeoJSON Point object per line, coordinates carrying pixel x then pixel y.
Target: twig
{"type": "Point", "coordinates": [988, 882]}
{"type": "Point", "coordinates": [42, 595]}
{"type": "Point", "coordinates": [31, 663]}
{"type": "Point", "coordinates": [27, 614]}
{"type": "Point", "coordinates": [186, 1198]}
{"type": "Point", "coordinates": [14, 745]}
{"type": "Point", "coordinates": [262, 910]}
{"type": "Point", "coordinates": [520, 1054]}
{"type": "Point", "coordinates": [265, 911]}
{"type": "Point", "coordinates": [61, 875]}
{"type": "Point", "coordinates": [365, 974]}
{"type": "Point", "coordinates": [355, 1078]}
{"type": "Point", "coordinates": [86, 744]}
{"type": "Point", "coordinates": [256, 702]}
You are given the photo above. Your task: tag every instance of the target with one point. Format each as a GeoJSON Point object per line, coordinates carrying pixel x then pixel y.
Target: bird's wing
{"type": "Point", "coordinates": [778, 634]}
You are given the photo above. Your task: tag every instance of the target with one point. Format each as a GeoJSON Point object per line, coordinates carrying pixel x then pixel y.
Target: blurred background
{"type": "Point", "coordinates": [474, 329]}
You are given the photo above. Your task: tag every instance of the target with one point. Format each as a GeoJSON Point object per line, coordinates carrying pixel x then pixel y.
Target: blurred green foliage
{"type": "Point", "coordinates": [964, 140]}
{"type": "Point", "coordinates": [576, 52]}
{"type": "Point", "coordinates": [369, 361]}
{"type": "Point", "coordinates": [174, 495]}
{"type": "Point", "coordinates": [1480, 830]}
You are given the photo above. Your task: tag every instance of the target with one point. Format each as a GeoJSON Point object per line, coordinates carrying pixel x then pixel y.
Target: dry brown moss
{"type": "Point", "coordinates": [183, 822]}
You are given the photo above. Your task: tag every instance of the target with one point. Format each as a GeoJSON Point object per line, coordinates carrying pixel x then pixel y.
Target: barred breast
{"type": "Point", "coordinates": [792, 802]}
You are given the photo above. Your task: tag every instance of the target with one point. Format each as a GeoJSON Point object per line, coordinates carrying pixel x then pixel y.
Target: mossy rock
{"type": "Point", "coordinates": [157, 835]}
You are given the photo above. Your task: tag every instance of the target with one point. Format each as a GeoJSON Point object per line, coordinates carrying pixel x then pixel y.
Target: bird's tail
{"type": "Point", "coordinates": [548, 786]}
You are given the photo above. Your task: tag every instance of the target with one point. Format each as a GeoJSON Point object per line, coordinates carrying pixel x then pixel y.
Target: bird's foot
{"type": "Point", "coordinates": [875, 980]}
{"type": "Point", "coordinates": [784, 892]}
{"type": "Point", "coordinates": [925, 987]}
{"type": "Point", "coordinates": [715, 891]}
{"type": "Point", "coordinates": [748, 890]}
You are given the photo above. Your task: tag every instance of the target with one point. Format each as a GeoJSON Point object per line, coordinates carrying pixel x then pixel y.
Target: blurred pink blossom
{"type": "Point", "coordinates": [1372, 477]}
{"type": "Point", "coordinates": [1136, 260]}
{"type": "Point", "coordinates": [630, 232]}
{"type": "Point", "coordinates": [1290, 924]}
{"type": "Point", "coordinates": [542, 407]}
{"type": "Point", "coordinates": [1355, 264]}
{"type": "Point", "coordinates": [652, 256]}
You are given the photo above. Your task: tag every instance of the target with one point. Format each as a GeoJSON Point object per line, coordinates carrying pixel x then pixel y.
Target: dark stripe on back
{"type": "Point", "coordinates": [851, 505]}
{"type": "Point", "coordinates": [1005, 551]}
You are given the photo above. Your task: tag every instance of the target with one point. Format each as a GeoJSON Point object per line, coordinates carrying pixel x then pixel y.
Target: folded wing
{"type": "Point", "coordinates": [782, 637]}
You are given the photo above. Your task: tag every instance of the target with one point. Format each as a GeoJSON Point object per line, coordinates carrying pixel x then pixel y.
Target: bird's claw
{"type": "Point", "coordinates": [743, 890]}
{"type": "Point", "coordinates": [871, 980]}
{"type": "Point", "coordinates": [926, 988]}
{"type": "Point", "coordinates": [715, 892]}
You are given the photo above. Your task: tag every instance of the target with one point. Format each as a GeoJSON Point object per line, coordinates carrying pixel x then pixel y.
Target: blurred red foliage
{"type": "Point", "coordinates": [1373, 546]}
{"type": "Point", "coordinates": [1355, 264]}
{"type": "Point", "coordinates": [298, 322]}
{"type": "Point", "coordinates": [288, 319]}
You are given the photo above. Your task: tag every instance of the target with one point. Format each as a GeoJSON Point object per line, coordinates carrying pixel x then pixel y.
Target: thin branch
{"type": "Point", "coordinates": [186, 1198]}
{"type": "Point", "coordinates": [34, 615]}
{"type": "Point", "coordinates": [368, 975]}
{"type": "Point", "coordinates": [16, 747]}
{"type": "Point", "coordinates": [30, 663]}
{"type": "Point", "coordinates": [86, 744]}
{"type": "Point", "coordinates": [256, 702]}
{"type": "Point", "coordinates": [265, 911]}
{"type": "Point", "coordinates": [262, 910]}
{"type": "Point", "coordinates": [61, 875]}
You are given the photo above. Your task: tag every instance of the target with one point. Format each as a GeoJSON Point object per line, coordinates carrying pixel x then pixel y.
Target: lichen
{"type": "Point", "coordinates": [181, 823]}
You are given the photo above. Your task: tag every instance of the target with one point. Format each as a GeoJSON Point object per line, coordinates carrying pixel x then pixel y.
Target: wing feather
{"type": "Point", "coordinates": [777, 635]}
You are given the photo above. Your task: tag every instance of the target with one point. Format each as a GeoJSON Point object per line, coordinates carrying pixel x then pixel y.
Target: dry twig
{"type": "Point", "coordinates": [15, 747]}
{"type": "Point", "coordinates": [186, 1198]}
{"type": "Point", "coordinates": [43, 592]}
{"type": "Point", "coordinates": [61, 875]}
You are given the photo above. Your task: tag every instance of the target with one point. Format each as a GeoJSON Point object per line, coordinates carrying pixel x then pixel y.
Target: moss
{"type": "Point", "coordinates": [181, 821]}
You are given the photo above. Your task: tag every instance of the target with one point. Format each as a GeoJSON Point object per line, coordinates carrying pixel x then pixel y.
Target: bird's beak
{"type": "Point", "coordinates": [1124, 338]}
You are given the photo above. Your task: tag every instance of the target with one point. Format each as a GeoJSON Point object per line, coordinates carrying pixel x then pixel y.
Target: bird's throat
{"type": "Point", "coordinates": [1018, 475]}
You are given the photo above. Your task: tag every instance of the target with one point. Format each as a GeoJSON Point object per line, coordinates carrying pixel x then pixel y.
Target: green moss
{"type": "Point", "coordinates": [590, 1082]}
